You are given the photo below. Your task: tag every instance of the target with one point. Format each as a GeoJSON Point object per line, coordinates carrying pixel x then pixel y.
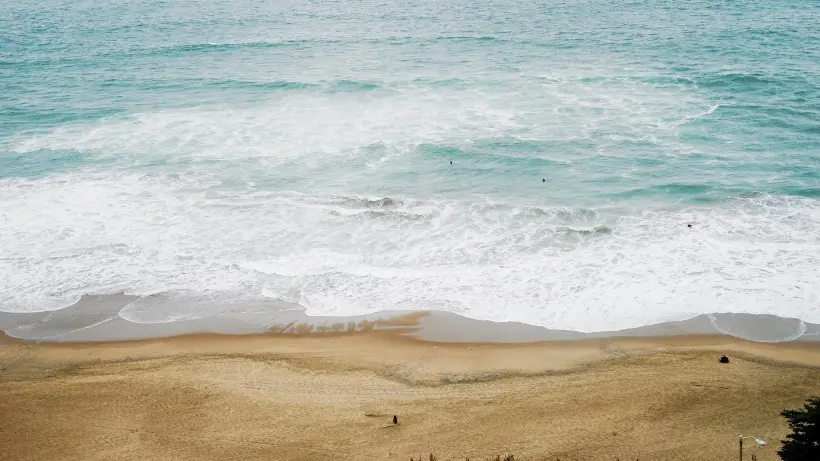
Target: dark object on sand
{"type": "Point", "coordinates": [724, 359]}
{"type": "Point", "coordinates": [395, 419]}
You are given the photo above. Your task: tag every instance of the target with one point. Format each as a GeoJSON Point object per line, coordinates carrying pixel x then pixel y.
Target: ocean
{"type": "Point", "coordinates": [530, 161]}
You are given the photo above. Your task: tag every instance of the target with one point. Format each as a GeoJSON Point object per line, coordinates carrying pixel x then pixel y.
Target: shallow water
{"type": "Point", "coordinates": [301, 151]}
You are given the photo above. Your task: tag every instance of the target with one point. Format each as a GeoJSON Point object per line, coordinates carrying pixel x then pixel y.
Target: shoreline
{"type": "Point", "coordinates": [98, 319]}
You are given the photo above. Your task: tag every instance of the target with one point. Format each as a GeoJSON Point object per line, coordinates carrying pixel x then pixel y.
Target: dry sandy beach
{"type": "Point", "coordinates": [332, 396]}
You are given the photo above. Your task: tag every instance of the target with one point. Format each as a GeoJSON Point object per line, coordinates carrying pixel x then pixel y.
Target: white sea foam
{"type": "Point", "coordinates": [200, 203]}
{"type": "Point", "coordinates": [143, 234]}
{"type": "Point", "coordinates": [305, 127]}
{"type": "Point", "coordinates": [315, 126]}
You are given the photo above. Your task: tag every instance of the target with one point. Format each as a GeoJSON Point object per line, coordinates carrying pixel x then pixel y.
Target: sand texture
{"type": "Point", "coordinates": [332, 396]}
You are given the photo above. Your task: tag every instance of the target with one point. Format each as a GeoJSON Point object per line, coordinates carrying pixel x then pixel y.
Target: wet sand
{"type": "Point", "coordinates": [332, 396]}
{"type": "Point", "coordinates": [100, 318]}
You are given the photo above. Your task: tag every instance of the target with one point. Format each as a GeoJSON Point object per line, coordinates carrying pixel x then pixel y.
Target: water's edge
{"type": "Point", "coordinates": [98, 318]}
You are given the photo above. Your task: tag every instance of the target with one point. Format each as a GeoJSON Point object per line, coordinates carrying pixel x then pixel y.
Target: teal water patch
{"type": "Point", "coordinates": [187, 50]}
{"type": "Point", "coordinates": [810, 192]}
{"type": "Point", "coordinates": [41, 163]}
{"type": "Point", "coordinates": [349, 85]}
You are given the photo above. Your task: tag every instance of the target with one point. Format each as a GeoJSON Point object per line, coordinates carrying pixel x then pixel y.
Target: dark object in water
{"type": "Point", "coordinates": [395, 419]}
{"type": "Point", "coordinates": [689, 225]}
{"type": "Point", "coordinates": [543, 180]}
{"type": "Point", "coordinates": [451, 162]}
{"type": "Point", "coordinates": [724, 359]}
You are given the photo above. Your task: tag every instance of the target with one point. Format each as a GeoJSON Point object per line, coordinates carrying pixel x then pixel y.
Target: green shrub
{"type": "Point", "coordinates": [803, 444]}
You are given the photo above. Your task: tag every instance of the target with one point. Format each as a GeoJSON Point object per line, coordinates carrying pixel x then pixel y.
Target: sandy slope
{"type": "Point", "coordinates": [332, 397]}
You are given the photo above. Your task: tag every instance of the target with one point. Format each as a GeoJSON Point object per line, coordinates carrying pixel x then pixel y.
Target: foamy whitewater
{"type": "Point", "coordinates": [208, 153]}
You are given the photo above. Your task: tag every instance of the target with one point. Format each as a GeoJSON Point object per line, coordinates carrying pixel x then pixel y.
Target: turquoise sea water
{"type": "Point", "coordinates": [206, 152]}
